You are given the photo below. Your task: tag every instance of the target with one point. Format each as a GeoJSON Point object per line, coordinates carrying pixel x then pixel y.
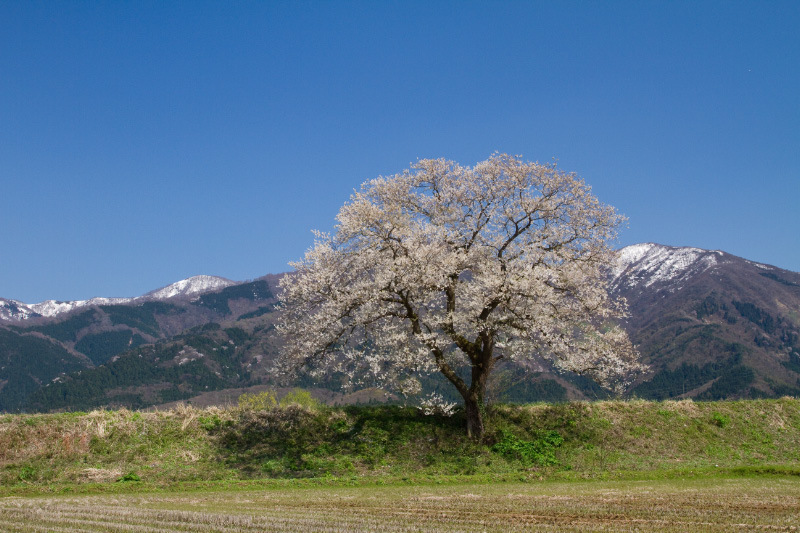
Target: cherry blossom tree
{"type": "Point", "coordinates": [451, 269]}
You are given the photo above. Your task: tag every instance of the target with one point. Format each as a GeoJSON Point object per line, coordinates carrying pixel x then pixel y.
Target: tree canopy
{"type": "Point", "coordinates": [451, 269]}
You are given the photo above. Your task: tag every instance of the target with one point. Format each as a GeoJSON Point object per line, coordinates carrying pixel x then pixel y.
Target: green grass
{"type": "Point", "coordinates": [127, 451]}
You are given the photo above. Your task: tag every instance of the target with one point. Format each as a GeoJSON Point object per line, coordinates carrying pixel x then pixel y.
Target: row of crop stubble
{"type": "Point", "coordinates": [709, 504]}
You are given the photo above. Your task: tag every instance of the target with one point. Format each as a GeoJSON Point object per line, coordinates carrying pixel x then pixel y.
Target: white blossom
{"type": "Point", "coordinates": [443, 267]}
{"type": "Point", "coordinates": [435, 404]}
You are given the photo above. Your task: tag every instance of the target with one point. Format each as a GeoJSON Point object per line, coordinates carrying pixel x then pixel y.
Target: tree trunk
{"type": "Point", "coordinates": [474, 411]}
{"type": "Point", "coordinates": [474, 394]}
{"type": "Point", "coordinates": [473, 400]}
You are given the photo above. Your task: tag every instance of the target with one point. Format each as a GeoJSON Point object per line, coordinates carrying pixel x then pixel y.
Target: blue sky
{"type": "Point", "coordinates": [145, 142]}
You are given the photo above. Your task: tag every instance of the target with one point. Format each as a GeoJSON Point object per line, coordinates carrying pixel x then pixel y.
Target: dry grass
{"type": "Point", "coordinates": [101, 445]}
{"type": "Point", "coordinates": [677, 505]}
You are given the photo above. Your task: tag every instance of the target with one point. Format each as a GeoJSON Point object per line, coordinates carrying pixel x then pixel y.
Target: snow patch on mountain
{"type": "Point", "coordinates": [14, 310]}
{"type": "Point", "coordinates": [646, 264]}
{"type": "Point", "coordinates": [50, 308]}
{"type": "Point", "coordinates": [761, 266]}
{"type": "Point", "coordinates": [630, 255]}
{"type": "Point", "coordinates": [190, 287]}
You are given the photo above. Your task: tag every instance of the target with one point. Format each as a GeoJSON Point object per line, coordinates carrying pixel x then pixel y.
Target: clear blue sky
{"type": "Point", "coordinates": [145, 142]}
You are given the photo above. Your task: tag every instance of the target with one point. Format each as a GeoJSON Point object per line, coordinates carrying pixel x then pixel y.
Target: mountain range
{"type": "Point", "coordinates": [709, 324]}
{"type": "Point", "coordinates": [14, 310]}
{"type": "Point", "coordinates": [90, 345]}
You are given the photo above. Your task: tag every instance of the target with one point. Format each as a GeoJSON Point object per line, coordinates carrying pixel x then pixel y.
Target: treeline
{"type": "Point", "coordinates": [732, 378]}
{"type": "Point", "coordinates": [141, 317]}
{"type": "Point", "coordinates": [100, 347]}
{"type": "Point", "coordinates": [198, 362]}
{"type": "Point", "coordinates": [66, 330]}
{"type": "Point", "coordinates": [780, 333]}
{"type": "Point", "coordinates": [218, 301]}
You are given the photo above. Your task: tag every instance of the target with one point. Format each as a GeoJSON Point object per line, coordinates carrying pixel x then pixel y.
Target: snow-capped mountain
{"type": "Point", "coordinates": [709, 323]}
{"type": "Point", "coordinates": [650, 265]}
{"type": "Point", "coordinates": [648, 274]}
{"type": "Point", "coordinates": [50, 308]}
{"type": "Point", "coordinates": [647, 264]}
{"type": "Point", "coordinates": [12, 310]}
{"type": "Point", "coordinates": [193, 286]}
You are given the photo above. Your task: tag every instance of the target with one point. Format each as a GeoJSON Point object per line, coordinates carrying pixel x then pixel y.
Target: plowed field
{"type": "Point", "coordinates": [736, 504]}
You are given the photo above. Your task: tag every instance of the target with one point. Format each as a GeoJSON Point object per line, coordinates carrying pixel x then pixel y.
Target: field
{"type": "Point", "coordinates": [707, 504]}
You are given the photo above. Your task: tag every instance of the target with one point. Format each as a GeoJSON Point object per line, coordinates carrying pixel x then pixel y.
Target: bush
{"type": "Point", "coordinates": [269, 400]}
{"type": "Point", "coordinates": [537, 452]}
{"type": "Point", "coordinates": [258, 402]}
{"type": "Point", "coordinates": [130, 476]}
{"type": "Point", "coordinates": [300, 398]}
{"type": "Point", "coordinates": [719, 420]}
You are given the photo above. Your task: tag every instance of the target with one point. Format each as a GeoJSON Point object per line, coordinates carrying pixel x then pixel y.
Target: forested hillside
{"type": "Point", "coordinates": [27, 361]}
{"type": "Point", "coordinates": [134, 354]}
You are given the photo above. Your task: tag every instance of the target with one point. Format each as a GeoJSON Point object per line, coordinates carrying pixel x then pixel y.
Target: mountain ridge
{"type": "Point", "coordinates": [652, 263]}
{"type": "Point", "coordinates": [14, 310]}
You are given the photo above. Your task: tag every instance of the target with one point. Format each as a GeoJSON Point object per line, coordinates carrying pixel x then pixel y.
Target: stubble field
{"type": "Point", "coordinates": [704, 504]}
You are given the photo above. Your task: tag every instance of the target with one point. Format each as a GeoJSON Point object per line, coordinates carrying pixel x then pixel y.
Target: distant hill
{"type": "Point", "coordinates": [91, 346]}
{"type": "Point", "coordinates": [205, 358]}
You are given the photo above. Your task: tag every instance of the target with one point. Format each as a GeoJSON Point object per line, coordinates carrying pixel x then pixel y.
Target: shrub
{"type": "Point", "coordinates": [259, 401]}
{"type": "Point", "coordinates": [301, 398]}
{"type": "Point", "coordinates": [537, 452]}
{"type": "Point", "coordinates": [130, 476]}
{"type": "Point", "coordinates": [269, 400]}
{"type": "Point", "coordinates": [435, 404]}
{"type": "Point", "coordinates": [719, 420]}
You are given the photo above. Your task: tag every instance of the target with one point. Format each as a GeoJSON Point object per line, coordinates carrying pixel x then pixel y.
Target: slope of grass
{"type": "Point", "coordinates": [637, 439]}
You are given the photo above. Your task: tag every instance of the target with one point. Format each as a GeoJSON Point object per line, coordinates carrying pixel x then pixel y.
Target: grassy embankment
{"type": "Point", "coordinates": [124, 450]}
